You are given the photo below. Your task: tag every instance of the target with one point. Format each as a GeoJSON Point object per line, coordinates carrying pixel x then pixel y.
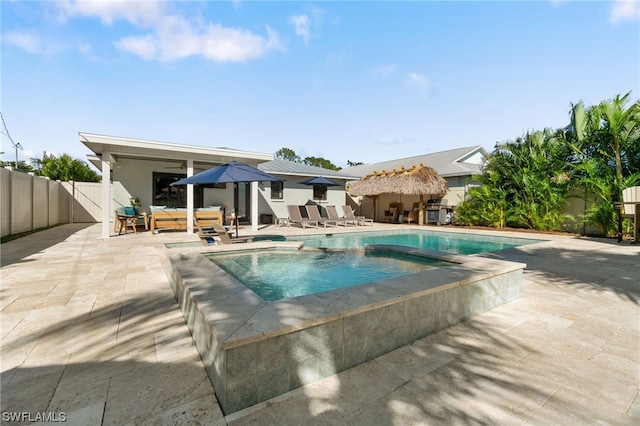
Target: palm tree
{"type": "Point", "coordinates": [606, 141]}
{"type": "Point", "coordinates": [608, 131]}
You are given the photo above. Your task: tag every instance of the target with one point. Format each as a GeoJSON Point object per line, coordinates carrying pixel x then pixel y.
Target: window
{"type": "Point", "coordinates": [319, 192]}
{"type": "Point", "coordinates": [166, 195]}
{"type": "Point", "coordinates": [277, 190]}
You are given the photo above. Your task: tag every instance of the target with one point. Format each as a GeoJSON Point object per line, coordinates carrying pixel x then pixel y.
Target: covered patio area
{"type": "Point", "coordinates": [139, 168]}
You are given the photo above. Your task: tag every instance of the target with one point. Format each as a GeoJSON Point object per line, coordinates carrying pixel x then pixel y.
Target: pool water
{"type": "Point", "coordinates": [441, 241]}
{"type": "Point", "coordinates": [277, 275]}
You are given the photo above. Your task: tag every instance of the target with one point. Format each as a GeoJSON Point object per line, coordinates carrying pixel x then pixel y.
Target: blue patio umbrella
{"type": "Point", "coordinates": [320, 180]}
{"type": "Point", "coordinates": [231, 172]}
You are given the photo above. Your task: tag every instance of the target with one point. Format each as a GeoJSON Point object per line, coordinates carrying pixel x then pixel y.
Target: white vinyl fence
{"type": "Point", "coordinates": [29, 202]}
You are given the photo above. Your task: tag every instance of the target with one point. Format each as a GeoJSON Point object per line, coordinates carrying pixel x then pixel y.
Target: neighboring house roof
{"type": "Point", "coordinates": [285, 167]}
{"type": "Point", "coordinates": [454, 162]}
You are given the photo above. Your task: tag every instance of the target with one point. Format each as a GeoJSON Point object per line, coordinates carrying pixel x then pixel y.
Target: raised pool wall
{"type": "Point", "coordinates": [254, 350]}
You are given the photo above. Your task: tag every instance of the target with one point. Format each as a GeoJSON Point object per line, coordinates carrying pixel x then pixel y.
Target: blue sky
{"type": "Point", "coordinates": [359, 81]}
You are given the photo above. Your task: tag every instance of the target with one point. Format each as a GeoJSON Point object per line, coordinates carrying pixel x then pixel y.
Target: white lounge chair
{"type": "Point", "coordinates": [314, 214]}
{"type": "Point", "coordinates": [296, 217]}
{"type": "Point", "coordinates": [350, 215]}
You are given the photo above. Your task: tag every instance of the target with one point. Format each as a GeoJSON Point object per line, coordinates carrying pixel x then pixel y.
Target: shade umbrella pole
{"type": "Point", "coordinates": [235, 205]}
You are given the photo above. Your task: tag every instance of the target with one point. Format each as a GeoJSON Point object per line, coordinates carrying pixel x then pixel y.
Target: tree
{"type": "Point", "coordinates": [605, 139]}
{"type": "Point", "coordinates": [290, 155]}
{"type": "Point", "coordinates": [64, 168]}
{"type": "Point", "coordinates": [287, 154]}
{"type": "Point", "coordinates": [320, 162]}
{"type": "Point", "coordinates": [354, 163]}
{"type": "Point", "coordinates": [22, 166]}
{"type": "Point", "coordinates": [524, 184]}
{"type": "Point", "coordinates": [609, 132]}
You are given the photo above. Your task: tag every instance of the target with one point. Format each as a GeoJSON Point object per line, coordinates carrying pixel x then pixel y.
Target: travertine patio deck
{"type": "Point", "coordinates": [90, 328]}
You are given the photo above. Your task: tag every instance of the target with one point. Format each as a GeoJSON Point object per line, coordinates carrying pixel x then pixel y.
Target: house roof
{"type": "Point", "coordinates": [120, 147]}
{"type": "Point", "coordinates": [454, 162]}
{"type": "Point", "coordinates": [284, 167]}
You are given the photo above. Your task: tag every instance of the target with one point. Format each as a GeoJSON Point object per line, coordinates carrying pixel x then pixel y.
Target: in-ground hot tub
{"type": "Point", "coordinates": [254, 350]}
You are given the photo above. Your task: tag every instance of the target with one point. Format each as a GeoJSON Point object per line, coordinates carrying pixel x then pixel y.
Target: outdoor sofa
{"type": "Point", "coordinates": [176, 218]}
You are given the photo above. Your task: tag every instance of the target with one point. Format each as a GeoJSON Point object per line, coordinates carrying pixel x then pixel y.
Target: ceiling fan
{"type": "Point", "coordinates": [183, 167]}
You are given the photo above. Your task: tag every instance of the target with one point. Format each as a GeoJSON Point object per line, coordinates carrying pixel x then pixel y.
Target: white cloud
{"type": "Point", "coordinates": [385, 70]}
{"type": "Point", "coordinates": [170, 36]}
{"type": "Point", "coordinates": [301, 24]}
{"type": "Point", "coordinates": [418, 80]}
{"type": "Point", "coordinates": [143, 46]}
{"type": "Point", "coordinates": [26, 41]}
{"type": "Point", "coordinates": [624, 10]}
{"type": "Point", "coordinates": [230, 44]}
{"type": "Point", "coordinates": [135, 12]}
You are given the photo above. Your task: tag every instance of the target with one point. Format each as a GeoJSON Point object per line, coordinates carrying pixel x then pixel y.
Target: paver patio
{"type": "Point", "coordinates": [90, 328]}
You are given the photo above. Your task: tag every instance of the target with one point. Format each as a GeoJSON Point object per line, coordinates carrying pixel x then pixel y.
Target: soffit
{"type": "Point", "coordinates": [119, 147]}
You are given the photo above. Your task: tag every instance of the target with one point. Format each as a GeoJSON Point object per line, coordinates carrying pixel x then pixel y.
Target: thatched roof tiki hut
{"type": "Point", "coordinates": [417, 180]}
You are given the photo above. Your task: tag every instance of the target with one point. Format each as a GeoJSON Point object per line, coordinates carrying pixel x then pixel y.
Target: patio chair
{"type": "Point", "coordinates": [296, 217]}
{"type": "Point", "coordinates": [412, 215]}
{"type": "Point", "coordinates": [314, 214]}
{"type": "Point", "coordinates": [630, 208]}
{"type": "Point", "coordinates": [129, 217]}
{"type": "Point", "coordinates": [333, 215]}
{"type": "Point", "coordinates": [393, 213]}
{"type": "Point", "coordinates": [350, 215]}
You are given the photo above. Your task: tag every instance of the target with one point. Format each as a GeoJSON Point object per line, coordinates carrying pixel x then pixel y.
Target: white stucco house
{"type": "Point", "coordinates": [145, 170]}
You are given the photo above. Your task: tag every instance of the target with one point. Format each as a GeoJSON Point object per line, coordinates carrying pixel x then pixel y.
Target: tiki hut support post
{"type": "Point", "coordinates": [421, 211]}
{"type": "Point", "coordinates": [375, 207]}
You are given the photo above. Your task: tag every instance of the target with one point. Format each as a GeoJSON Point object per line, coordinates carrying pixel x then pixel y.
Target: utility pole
{"type": "Point", "coordinates": [15, 145]}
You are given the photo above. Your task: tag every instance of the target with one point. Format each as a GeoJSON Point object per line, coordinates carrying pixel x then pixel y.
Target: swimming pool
{"type": "Point", "coordinates": [279, 275]}
{"type": "Point", "coordinates": [448, 242]}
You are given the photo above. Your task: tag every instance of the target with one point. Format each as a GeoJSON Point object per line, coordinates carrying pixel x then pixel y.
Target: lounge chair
{"type": "Point", "coordinates": [350, 215]}
{"type": "Point", "coordinates": [314, 214]}
{"type": "Point", "coordinates": [296, 217]}
{"type": "Point", "coordinates": [333, 215]}
{"type": "Point", "coordinates": [207, 232]}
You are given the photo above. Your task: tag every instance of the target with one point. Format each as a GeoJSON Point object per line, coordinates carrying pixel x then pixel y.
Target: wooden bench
{"type": "Point", "coordinates": [177, 219]}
